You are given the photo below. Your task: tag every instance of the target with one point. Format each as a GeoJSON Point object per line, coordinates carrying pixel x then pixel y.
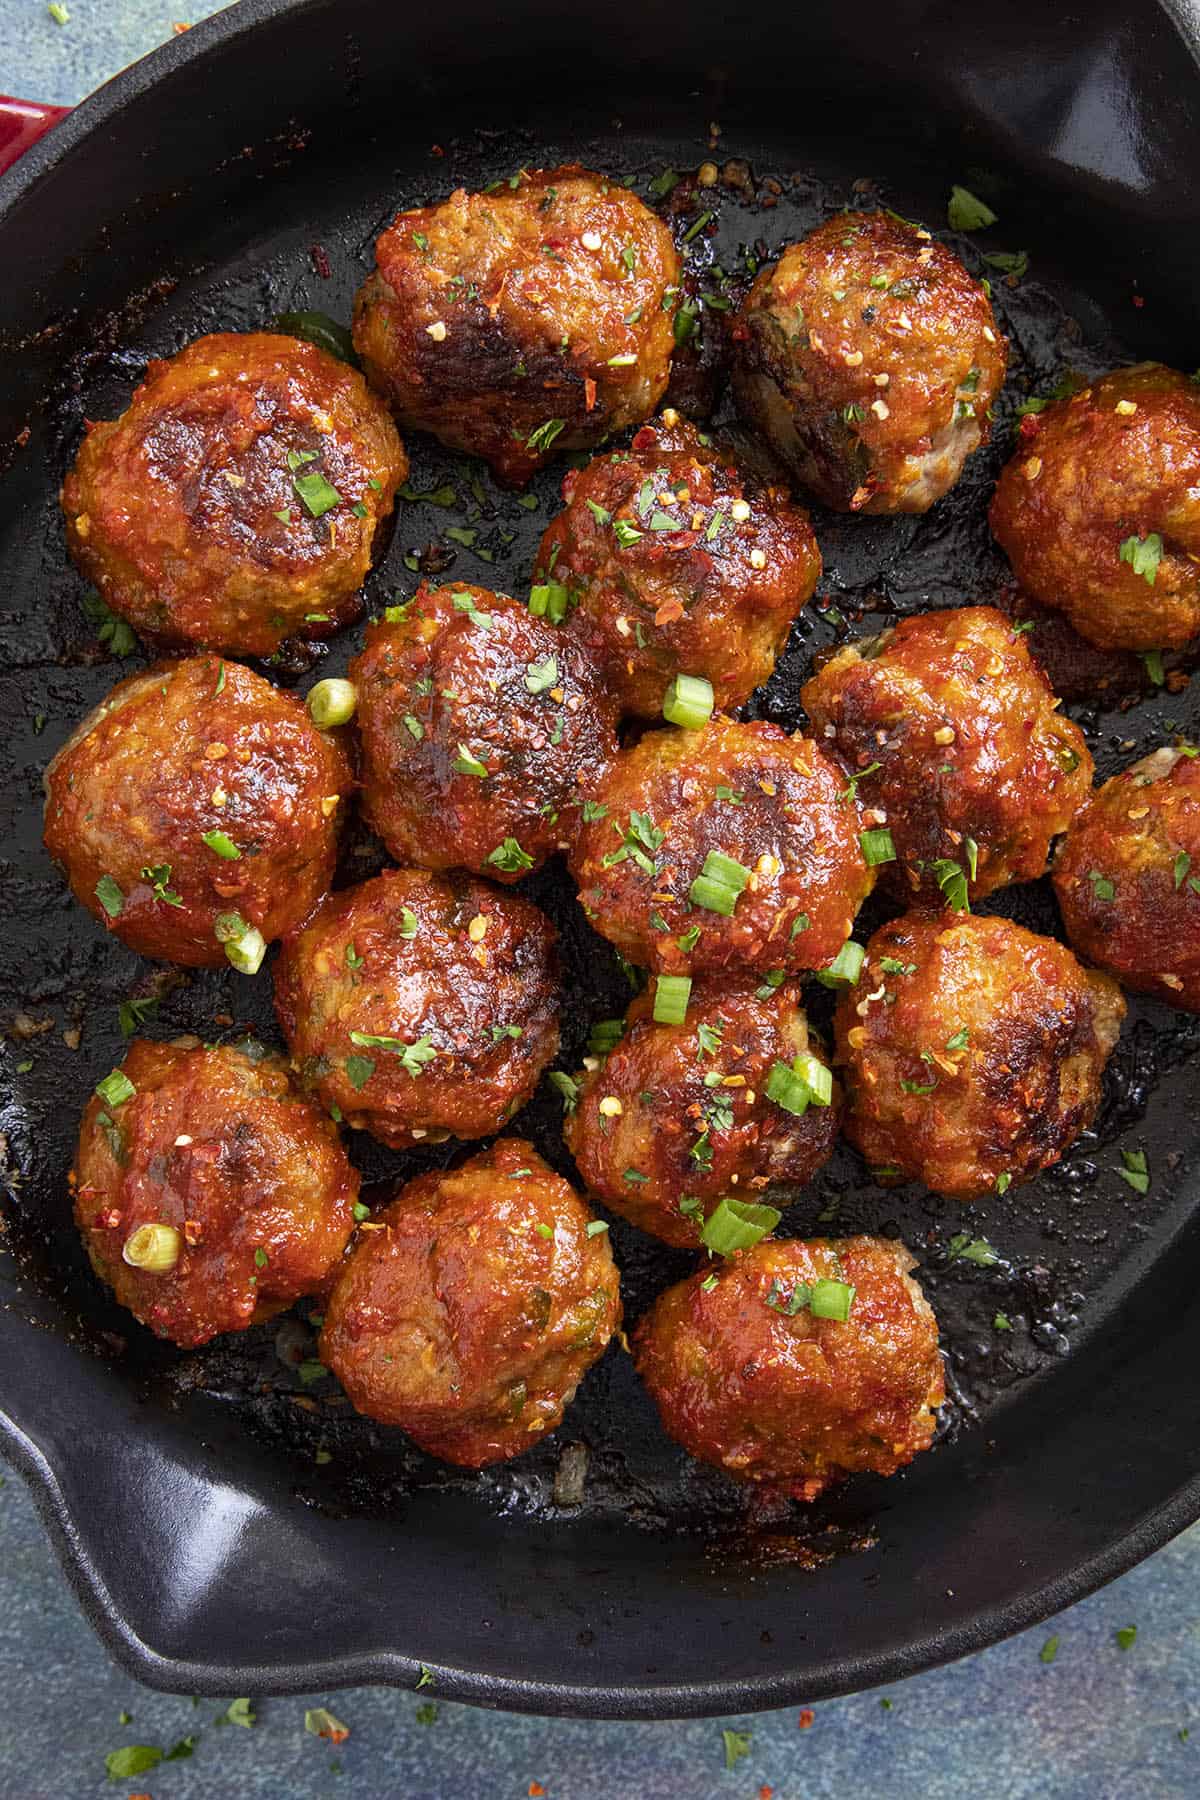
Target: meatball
{"type": "Point", "coordinates": [195, 802]}
{"type": "Point", "coordinates": [973, 1052]}
{"type": "Point", "coordinates": [210, 1194]}
{"type": "Point", "coordinates": [421, 1006]}
{"type": "Point", "coordinates": [236, 502]}
{"type": "Point", "coordinates": [1128, 899]}
{"type": "Point", "coordinates": [472, 1310]}
{"type": "Point", "coordinates": [870, 359]}
{"type": "Point", "coordinates": [1099, 510]}
{"type": "Point", "coordinates": [676, 1116]}
{"type": "Point", "coordinates": [679, 571]}
{"type": "Point", "coordinates": [483, 730]}
{"type": "Point", "coordinates": [733, 847]}
{"type": "Point", "coordinates": [746, 1376]}
{"type": "Point", "coordinates": [949, 729]}
{"type": "Point", "coordinates": [532, 317]}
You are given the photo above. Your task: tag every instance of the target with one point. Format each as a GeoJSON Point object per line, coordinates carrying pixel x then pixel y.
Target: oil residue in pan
{"type": "Point", "coordinates": [1016, 1282]}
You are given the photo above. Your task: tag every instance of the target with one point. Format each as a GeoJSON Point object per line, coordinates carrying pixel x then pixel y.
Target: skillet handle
{"type": "Point", "coordinates": [22, 123]}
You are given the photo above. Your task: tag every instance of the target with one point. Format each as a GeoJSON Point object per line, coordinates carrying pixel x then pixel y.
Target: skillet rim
{"type": "Point", "coordinates": [930, 1648]}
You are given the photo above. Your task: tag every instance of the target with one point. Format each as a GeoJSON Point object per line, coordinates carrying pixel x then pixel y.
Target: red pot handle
{"type": "Point", "coordinates": [22, 123]}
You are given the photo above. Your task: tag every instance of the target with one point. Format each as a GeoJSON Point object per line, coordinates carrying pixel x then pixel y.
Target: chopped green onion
{"type": "Point", "coordinates": [466, 764]}
{"type": "Point", "coordinates": [116, 1088]}
{"type": "Point", "coordinates": [596, 1227]}
{"type": "Point", "coordinates": [246, 952]}
{"type": "Point", "coordinates": [332, 702]}
{"type": "Point", "coordinates": [539, 676]}
{"type": "Point", "coordinates": [719, 883]}
{"type": "Point", "coordinates": [550, 600]}
{"type": "Point", "coordinates": [318, 495]}
{"type": "Point", "coordinates": [688, 701]}
{"type": "Point", "coordinates": [737, 1225]}
{"type": "Point", "coordinates": [223, 844]}
{"type": "Point", "coordinates": [605, 1035]}
{"type": "Point", "coordinates": [806, 1083]}
{"type": "Point", "coordinates": [671, 993]}
{"type": "Point", "coordinates": [877, 847]}
{"type": "Point", "coordinates": [845, 968]}
{"type": "Point", "coordinates": [154, 1248]}
{"type": "Point", "coordinates": [831, 1299]}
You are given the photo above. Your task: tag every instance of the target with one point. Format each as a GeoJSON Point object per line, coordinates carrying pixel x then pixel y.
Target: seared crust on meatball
{"type": "Point", "coordinates": [483, 731]}
{"type": "Point", "coordinates": [780, 1397]}
{"type": "Point", "coordinates": [187, 752]}
{"type": "Point", "coordinates": [870, 359]}
{"type": "Point", "coordinates": [244, 1178]}
{"type": "Point", "coordinates": [680, 568]}
{"type": "Point", "coordinates": [950, 729]}
{"type": "Point", "coordinates": [773, 804]}
{"type": "Point", "coordinates": [235, 503]}
{"type": "Point", "coordinates": [694, 1120]}
{"type": "Point", "coordinates": [972, 1050]}
{"type": "Point", "coordinates": [1125, 883]}
{"type": "Point", "coordinates": [421, 1006]}
{"type": "Point", "coordinates": [1099, 510]}
{"type": "Point", "coordinates": [473, 1311]}
{"type": "Point", "coordinates": [531, 318]}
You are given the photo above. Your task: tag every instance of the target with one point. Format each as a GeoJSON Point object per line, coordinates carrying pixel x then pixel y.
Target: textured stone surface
{"type": "Point", "coordinates": [1096, 1724]}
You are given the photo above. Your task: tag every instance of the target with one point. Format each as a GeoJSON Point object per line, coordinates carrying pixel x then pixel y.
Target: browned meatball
{"type": "Point", "coordinates": [421, 1006]}
{"type": "Point", "coordinates": [734, 847]}
{"type": "Point", "coordinates": [747, 1377]}
{"type": "Point", "coordinates": [681, 570]}
{"type": "Point", "coordinates": [1099, 510]}
{"type": "Point", "coordinates": [870, 359]}
{"type": "Point", "coordinates": [483, 731]}
{"type": "Point", "coordinates": [950, 730]}
{"type": "Point", "coordinates": [236, 502]}
{"type": "Point", "coordinates": [531, 318]}
{"type": "Point", "coordinates": [210, 1194]}
{"type": "Point", "coordinates": [676, 1116]}
{"type": "Point", "coordinates": [1124, 879]}
{"type": "Point", "coordinates": [472, 1310]}
{"type": "Point", "coordinates": [973, 1052]}
{"type": "Point", "coordinates": [197, 795]}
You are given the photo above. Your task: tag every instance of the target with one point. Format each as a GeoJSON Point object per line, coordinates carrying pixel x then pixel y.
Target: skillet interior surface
{"type": "Point", "coordinates": [232, 1530]}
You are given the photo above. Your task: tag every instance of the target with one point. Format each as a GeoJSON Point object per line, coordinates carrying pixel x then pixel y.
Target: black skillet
{"type": "Point", "coordinates": [229, 1530]}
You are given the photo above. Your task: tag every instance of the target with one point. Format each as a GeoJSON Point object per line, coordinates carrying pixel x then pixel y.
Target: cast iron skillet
{"type": "Point", "coordinates": [230, 1531]}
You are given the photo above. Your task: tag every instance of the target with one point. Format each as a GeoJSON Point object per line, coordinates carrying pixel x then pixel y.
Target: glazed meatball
{"type": "Point", "coordinates": [196, 796]}
{"type": "Point", "coordinates": [676, 1116]}
{"type": "Point", "coordinates": [733, 847]}
{"type": "Point", "coordinates": [1099, 510]}
{"type": "Point", "coordinates": [870, 359]}
{"type": "Point", "coordinates": [1123, 878]}
{"type": "Point", "coordinates": [972, 1051]}
{"type": "Point", "coordinates": [950, 731]}
{"type": "Point", "coordinates": [209, 1192]}
{"type": "Point", "coordinates": [746, 1376]}
{"type": "Point", "coordinates": [421, 1006]}
{"type": "Point", "coordinates": [236, 502]}
{"type": "Point", "coordinates": [472, 1310]}
{"type": "Point", "coordinates": [679, 570]}
{"type": "Point", "coordinates": [531, 318]}
{"type": "Point", "coordinates": [483, 731]}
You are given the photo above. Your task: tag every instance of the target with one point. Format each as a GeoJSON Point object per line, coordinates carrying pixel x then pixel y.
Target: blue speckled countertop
{"type": "Point", "coordinates": [1097, 1719]}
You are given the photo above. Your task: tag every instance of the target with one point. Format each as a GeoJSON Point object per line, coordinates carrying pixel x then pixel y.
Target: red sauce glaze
{"type": "Point", "coordinates": [468, 669]}
{"type": "Point", "coordinates": [474, 1305]}
{"type": "Point", "coordinates": [750, 792]}
{"type": "Point", "coordinates": [460, 979]}
{"type": "Point", "coordinates": [959, 731]}
{"type": "Point", "coordinates": [181, 751]}
{"type": "Point", "coordinates": [699, 590]}
{"type": "Point", "coordinates": [695, 1121]}
{"type": "Point", "coordinates": [870, 359]}
{"type": "Point", "coordinates": [533, 317]}
{"type": "Point", "coordinates": [792, 1401]}
{"type": "Point", "coordinates": [1128, 878]}
{"type": "Point", "coordinates": [972, 1050]}
{"type": "Point", "coordinates": [185, 511]}
{"type": "Point", "coordinates": [1114, 465]}
{"type": "Point", "coordinates": [217, 1144]}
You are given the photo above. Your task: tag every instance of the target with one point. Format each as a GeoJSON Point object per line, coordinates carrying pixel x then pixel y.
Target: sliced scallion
{"type": "Point", "coordinates": [737, 1225]}
{"type": "Point", "coordinates": [688, 702]}
{"type": "Point", "coordinates": [671, 994]}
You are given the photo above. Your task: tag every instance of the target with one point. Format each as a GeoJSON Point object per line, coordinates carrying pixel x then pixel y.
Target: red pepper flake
{"type": "Point", "coordinates": [765, 1792]}
{"type": "Point", "coordinates": [436, 150]}
{"type": "Point", "coordinates": [1139, 300]}
{"type": "Point", "coordinates": [670, 610]}
{"type": "Point", "coordinates": [178, 28]}
{"type": "Point", "coordinates": [320, 261]}
{"type": "Point", "coordinates": [1030, 425]}
{"type": "Point", "coordinates": [646, 438]}
{"type": "Point", "coordinates": [589, 392]}
{"type": "Point", "coordinates": [535, 1789]}
{"type": "Point", "coordinates": [806, 1718]}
